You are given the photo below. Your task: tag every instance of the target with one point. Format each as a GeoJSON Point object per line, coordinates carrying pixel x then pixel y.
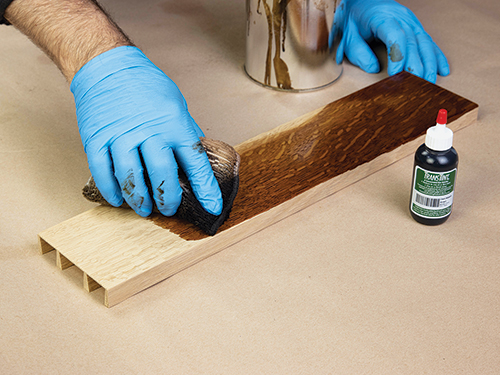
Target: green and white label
{"type": "Point", "coordinates": [432, 194]}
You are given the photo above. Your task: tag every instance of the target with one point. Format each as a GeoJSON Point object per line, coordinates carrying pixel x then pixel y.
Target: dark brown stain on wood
{"type": "Point", "coordinates": [343, 135]}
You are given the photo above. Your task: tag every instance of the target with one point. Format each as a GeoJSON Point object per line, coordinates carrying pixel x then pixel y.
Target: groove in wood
{"type": "Point", "coordinates": [44, 246]}
{"type": "Point", "coordinates": [62, 262]}
{"type": "Point", "coordinates": [89, 284]}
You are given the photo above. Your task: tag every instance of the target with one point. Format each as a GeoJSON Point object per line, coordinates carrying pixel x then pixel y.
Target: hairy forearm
{"type": "Point", "coordinates": [70, 32]}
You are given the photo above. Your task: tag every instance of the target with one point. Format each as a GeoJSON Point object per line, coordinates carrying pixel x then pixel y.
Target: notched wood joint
{"type": "Point", "coordinates": [89, 284]}
{"type": "Point", "coordinates": [45, 247]}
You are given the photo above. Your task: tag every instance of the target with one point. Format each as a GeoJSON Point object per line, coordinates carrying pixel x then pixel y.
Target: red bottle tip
{"type": "Point", "coordinates": [442, 117]}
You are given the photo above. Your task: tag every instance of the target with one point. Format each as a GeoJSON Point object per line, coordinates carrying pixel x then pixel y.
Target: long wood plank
{"type": "Point", "coordinates": [282, 172]}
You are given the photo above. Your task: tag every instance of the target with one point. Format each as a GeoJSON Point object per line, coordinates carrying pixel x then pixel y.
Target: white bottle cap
{"type": "Point", "coordinates": [439, 137]}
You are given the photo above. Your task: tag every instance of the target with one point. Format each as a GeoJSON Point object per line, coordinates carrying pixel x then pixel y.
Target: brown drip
{"type": "Point", "coordinates": [276, 23]}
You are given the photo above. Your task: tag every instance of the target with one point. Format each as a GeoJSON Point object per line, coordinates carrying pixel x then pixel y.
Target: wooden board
{"type": "Point", "coordinates": [282, 172]}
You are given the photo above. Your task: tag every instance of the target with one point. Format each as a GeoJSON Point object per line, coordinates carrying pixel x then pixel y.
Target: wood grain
{"type": "Point", "coordinates": [281, 172]}
{"type": "Point", "coordinates": [279, 165]}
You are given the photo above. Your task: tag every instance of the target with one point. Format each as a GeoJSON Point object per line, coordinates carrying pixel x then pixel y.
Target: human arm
{"type": "Point", "coordinates": [132, 118]}
{"type": "Point", "coordinates": [409, 46]}
{"type": "Point", "coordinates": [71, 33]}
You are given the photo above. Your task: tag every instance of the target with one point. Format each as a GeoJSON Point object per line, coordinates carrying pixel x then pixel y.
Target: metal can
{"type": "Point", "coordinates": [291, 45]}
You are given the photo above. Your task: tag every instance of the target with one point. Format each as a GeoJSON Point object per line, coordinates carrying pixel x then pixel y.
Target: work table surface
{"type": "Point", "coordinates": [350, 285]}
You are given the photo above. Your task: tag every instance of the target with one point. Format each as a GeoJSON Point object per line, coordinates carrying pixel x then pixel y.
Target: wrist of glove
{"type": "Point", "coordinates": [409, 46]}
{"type": "Point", "coordinates": [134, 125]}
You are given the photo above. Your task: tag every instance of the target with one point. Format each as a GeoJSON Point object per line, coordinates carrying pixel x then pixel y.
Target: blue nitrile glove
{"type": "Point", "coordinates": [128, 110]}
{"type": "Point", "coordinates": [409, 47]}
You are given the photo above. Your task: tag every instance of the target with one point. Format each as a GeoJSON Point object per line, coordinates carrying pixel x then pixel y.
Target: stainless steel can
{"type": "Point", "coordinates": [292, 44]}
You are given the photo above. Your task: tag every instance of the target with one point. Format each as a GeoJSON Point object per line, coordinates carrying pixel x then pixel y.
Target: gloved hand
{"type": "Point", "coordinates": [409, 47]}
{"type": "Point", "coordinates": [131, 116]}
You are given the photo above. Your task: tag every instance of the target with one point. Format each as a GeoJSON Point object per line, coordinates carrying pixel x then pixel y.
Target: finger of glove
{"type": "Point", "coordinates": [130, 175]}
{"type": "Point", "coordinates": [197, 129]}
{"type": "Point", "coordinates": [428, 54]}
{"type": "Point", "coordinates": [194, 161]}
{"type": "Point", "coordinates": [340, 49]}
{"type": "Point", "coordinates": [359, 52]}
{"type": "Point", "coordinates": [442, 61]}
{"type": "Point", "coordinates": [163, 174]}
{"type": "Point", "coordinates": [199, 132]}
{"type": "Point", "coordinates": [101, 168]}
{"type": "Point", "coordinates": [413, 61]}
{"type": "Point", "coordinates": [392, 34]}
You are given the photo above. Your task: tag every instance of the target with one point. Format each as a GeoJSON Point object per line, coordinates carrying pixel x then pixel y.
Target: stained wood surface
{"type": "Point", "coordinates": [281, 172]}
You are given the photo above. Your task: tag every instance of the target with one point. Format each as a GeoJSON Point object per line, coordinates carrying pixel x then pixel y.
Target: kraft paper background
{"type": "Point", "coordinates": [351, 285]}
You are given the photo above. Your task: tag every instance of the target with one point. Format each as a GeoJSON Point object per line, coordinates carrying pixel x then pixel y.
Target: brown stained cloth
{"type": "Point", "coordinates": [225, 163]}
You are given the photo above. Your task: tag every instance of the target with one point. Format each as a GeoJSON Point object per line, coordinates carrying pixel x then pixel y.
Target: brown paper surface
{"type": "Point", "coordinates": [351, 285]}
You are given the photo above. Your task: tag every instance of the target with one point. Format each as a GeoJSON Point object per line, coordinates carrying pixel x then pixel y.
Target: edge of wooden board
{"type": "Point", "coordinates": [195, 251]}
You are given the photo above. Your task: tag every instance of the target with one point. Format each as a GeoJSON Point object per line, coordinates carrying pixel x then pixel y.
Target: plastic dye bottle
{"type": "Point", "coordinates": [434, 175]}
